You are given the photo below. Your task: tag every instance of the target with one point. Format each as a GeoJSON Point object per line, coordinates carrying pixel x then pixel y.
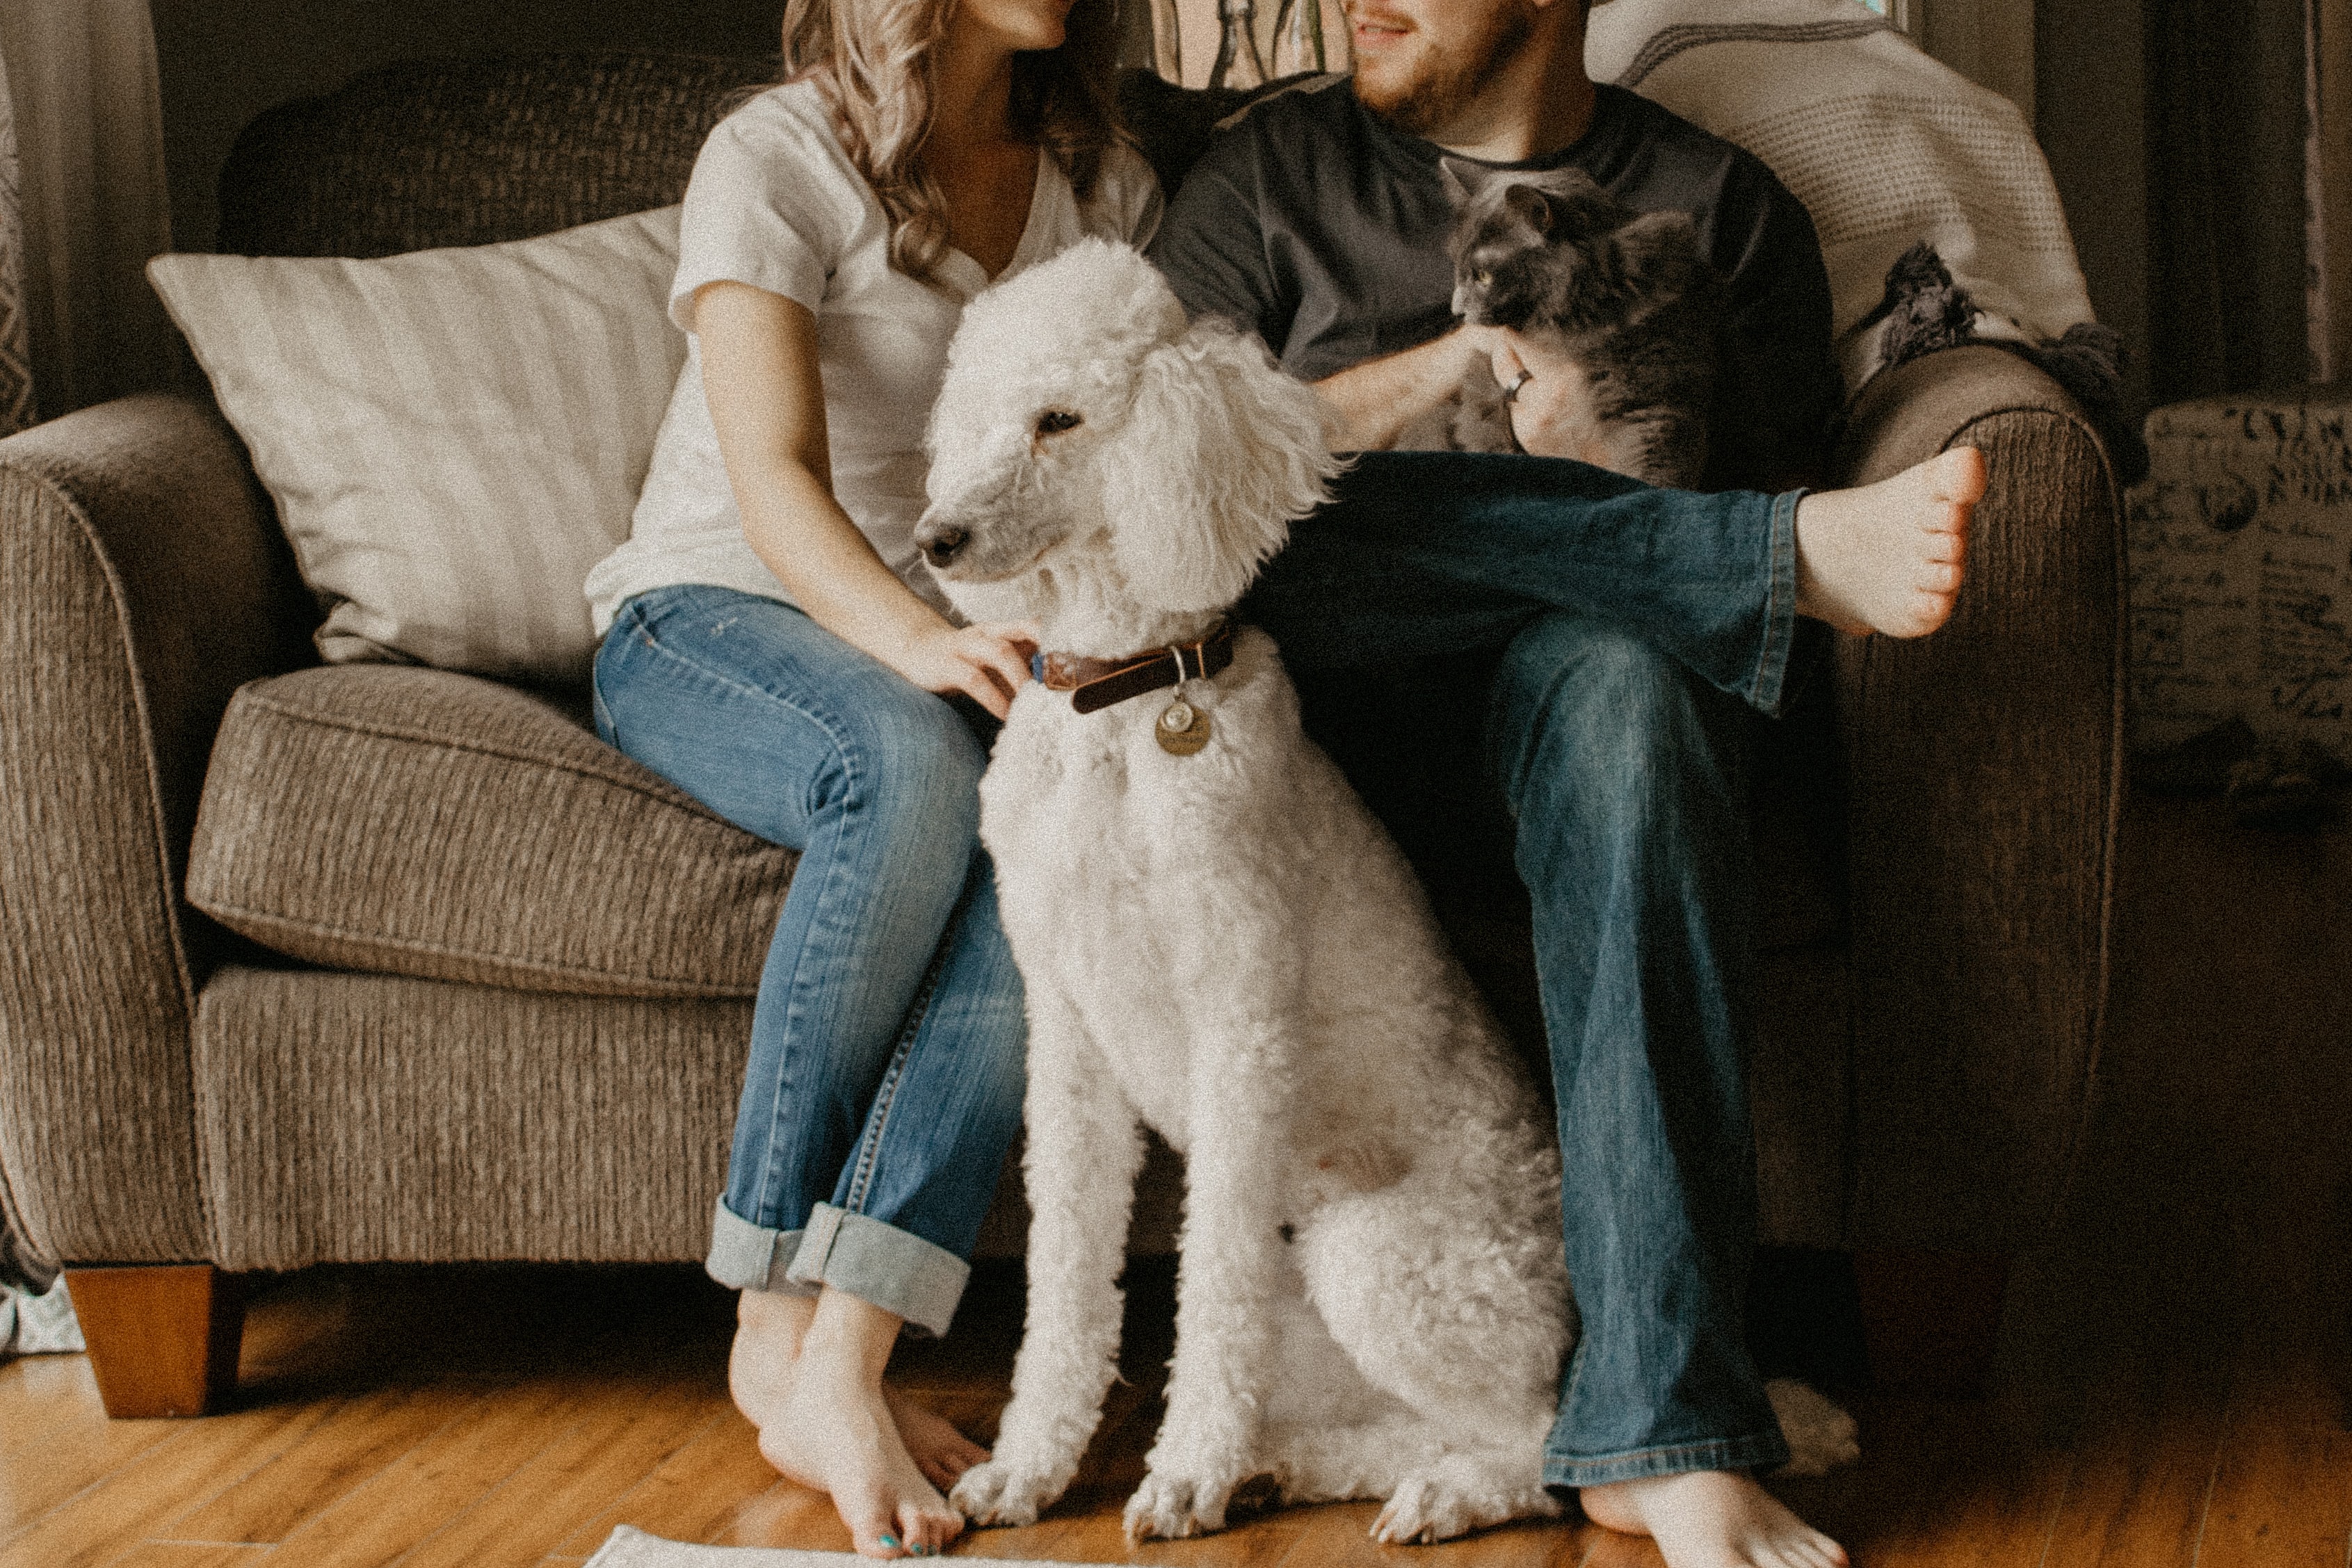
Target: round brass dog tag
{"type": "Point", "coordinates": [1182, 730]}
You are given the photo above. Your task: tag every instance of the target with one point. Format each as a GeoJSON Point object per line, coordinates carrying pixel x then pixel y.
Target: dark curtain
{"type": "Point", "coordinates": [2327, 99]}
{"type": "Point", "coordinates": [2225, 91]}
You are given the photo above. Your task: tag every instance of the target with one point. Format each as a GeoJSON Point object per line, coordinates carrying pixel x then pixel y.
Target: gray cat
{"type": "Point", "coordinates": [1627, 296]}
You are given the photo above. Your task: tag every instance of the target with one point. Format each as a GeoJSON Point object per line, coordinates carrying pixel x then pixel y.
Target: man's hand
{"type": "Point", "coordinates": [1551, 415]}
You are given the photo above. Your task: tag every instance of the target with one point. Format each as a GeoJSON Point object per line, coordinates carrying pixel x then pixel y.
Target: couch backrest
{"type": "Point", "coordinates": [474, 151]}
{"type": "Point", "coordinates": [456, 153]}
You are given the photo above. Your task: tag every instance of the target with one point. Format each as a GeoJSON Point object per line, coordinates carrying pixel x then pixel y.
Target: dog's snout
{"type": "Point", "coordinates": [942, 545]}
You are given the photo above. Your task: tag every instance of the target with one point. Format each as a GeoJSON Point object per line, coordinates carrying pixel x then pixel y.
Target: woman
{"type": "Point", "coordinates": [773, 647]}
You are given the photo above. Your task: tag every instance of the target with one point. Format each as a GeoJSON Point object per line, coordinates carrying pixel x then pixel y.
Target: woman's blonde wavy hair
{"type": "Point", "coordinates": [873, 59]}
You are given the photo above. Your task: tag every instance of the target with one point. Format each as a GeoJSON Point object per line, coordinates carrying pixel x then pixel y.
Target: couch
{"type": "Point", "coordinates": [487, 992]}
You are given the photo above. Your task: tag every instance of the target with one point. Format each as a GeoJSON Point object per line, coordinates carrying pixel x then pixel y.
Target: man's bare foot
{"type": "Point", "coordinates": [1711, 1518]}
{"type": "Point", "coordinates": [827, 1422]}
{"type": "Point", "coordinates": [1888, 557]}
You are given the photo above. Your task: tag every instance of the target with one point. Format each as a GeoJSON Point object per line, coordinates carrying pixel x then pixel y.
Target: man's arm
{"type": "Point", "coordinates": [1779, 389]}
{"type": "Point", "coordinates": [1376, 401]}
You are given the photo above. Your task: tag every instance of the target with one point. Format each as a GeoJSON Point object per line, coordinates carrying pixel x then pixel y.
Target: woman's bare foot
{"type": "Point", "coordinates": [1711, 1518]}
{"type": "Point", "coordinates": [1888, 557]}
{"type": "Point", "coordinates": [941, 1452]}
{"type": "Point", "coordinates": [826, 1421]}
{"type": "Point", "coordinates": [770, 1326]}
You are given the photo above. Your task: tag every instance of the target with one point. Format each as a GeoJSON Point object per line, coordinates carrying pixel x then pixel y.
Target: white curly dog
{"type": "Point", "coordinates": [1219, 941]}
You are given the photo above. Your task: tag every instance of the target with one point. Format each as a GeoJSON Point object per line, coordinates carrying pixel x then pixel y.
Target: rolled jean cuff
{"type": "Point", "coordinates": [748, 1257]}
{"type": "Point", "coordinates": [1766, 693]}
{"type": "Point", "coordinates": [893, 1268]}
{"type": "Point", "coordinates": [1764, 1450]}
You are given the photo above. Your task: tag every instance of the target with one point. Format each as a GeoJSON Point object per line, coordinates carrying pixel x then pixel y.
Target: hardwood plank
{"type": "Point", "coordinates": [55, 1438]}
{"type": "Point", "coordinates": [418, 1494]}
{"type": "Point", "coordinates": [1942, 1483]}
{"type": "Point", "coordinates": [2283, 1494]}
{"type": "Point", "coordinates": [195, 1554]}
{"type": "Point", "coordinates": [2137, 1495]}
{"type": "Point", "coordinates": [694, 1494]}
{"type": "Point", "coordinates": [357, 1438]}
{"type": "Point", "coordinates": [2283, 1497]}
{"type": "Point", "coordinates": [1100, 1536]}
{"type": "Point", "coordinates": [198, 1459]}
{"type": "Point", "coordinates": [786, 1514]}
{"type": "Point", "coordinates": [1607, 1548]}
{"type": "Point", "coordinates": [628, 1431]}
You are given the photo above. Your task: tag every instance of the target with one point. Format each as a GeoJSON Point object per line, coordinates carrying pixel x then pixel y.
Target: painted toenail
{"type": "Point", "coordinates": [890, 1541]}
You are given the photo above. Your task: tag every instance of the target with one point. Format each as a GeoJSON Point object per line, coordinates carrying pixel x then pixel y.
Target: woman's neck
{"type": "Point", "coordinates": [971, 93]}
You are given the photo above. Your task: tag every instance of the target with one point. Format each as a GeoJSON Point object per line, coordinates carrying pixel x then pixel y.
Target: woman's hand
{"type": "Point", "coordinates": [987, 664]}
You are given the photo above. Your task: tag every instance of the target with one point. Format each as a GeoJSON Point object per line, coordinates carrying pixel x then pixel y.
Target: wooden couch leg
{"type": "Point", "coordinates": [163, 1340]}
{"type": "Point", "coordinates": [1930, 1320]}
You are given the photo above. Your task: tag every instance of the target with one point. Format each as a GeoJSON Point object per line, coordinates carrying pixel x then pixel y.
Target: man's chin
{"type": "Point", "coordinates": [1399, 97]}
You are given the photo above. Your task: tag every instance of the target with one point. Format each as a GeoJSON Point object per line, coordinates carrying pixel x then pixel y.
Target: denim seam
{"type": "Point", "coordinates": [877, 1120]}
{"type": "Point", "coordinates": [922, 1273]}
{"type": "Point", "coordinates": [1764, 693]}
{"type": "Point", "coordinates": [1714, 1454]}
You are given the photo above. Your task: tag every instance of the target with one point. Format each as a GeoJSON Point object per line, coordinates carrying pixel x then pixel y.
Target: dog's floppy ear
{"type": "Point", "coordinates": [1223, 453]}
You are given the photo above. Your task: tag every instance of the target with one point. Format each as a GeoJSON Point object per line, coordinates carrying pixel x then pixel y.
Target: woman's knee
{"type": "Point", "coordinates": [907, 755]}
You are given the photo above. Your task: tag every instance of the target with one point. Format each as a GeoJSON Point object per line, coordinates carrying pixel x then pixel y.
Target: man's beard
{"type": "Point", "coordinates": [1448, 80]}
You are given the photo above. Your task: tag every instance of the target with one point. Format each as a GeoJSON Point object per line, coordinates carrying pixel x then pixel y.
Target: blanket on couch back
{"type": "Point", "coordinates": [1887, 147]}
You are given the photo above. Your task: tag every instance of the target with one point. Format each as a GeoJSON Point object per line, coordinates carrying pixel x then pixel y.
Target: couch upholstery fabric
{"type": "Point", "coordinates": [425, 823]}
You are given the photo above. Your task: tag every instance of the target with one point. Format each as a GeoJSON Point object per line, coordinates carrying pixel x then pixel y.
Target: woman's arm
{"type": "Point", "coordinates": [759, 376]}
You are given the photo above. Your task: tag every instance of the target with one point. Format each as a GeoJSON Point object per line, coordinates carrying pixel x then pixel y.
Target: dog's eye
{"type": "Point", "coordinates": [1055, 421]}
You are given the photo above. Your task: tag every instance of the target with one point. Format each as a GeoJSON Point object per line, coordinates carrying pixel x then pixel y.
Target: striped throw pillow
{"type": "Point", "coordinates": [453, 437]}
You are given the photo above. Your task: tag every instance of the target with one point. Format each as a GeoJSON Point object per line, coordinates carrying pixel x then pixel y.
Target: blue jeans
{"type": "Point", "coordinates": [1621, 634]}
{"type": "Point", "coordinates": [886, 1073]}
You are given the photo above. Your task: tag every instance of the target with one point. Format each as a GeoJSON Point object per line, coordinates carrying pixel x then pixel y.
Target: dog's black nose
{"type": "Point", "coordinates": [941, 548]}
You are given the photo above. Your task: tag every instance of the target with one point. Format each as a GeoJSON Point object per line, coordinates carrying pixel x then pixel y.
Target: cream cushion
{"type": "Point", "coordinates": [453, 437]}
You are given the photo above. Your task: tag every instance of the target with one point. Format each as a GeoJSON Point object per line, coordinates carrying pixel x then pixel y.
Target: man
{"type": "Point", "coordinates": [1606, 643]}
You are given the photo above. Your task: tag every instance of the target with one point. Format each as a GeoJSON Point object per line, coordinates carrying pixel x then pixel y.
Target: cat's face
{"type": "Point", "coordinates": [1529, 246]}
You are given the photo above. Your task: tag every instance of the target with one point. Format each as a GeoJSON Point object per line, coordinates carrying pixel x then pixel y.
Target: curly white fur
{"type": "Point", "coordinates": [1225, 946]}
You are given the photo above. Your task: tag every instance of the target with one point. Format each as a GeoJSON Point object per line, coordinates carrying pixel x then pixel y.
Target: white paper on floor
{"type": "Point", "coordinates": [38, 1326]}
{"type": "Point", "coordinates": [631, 1548]}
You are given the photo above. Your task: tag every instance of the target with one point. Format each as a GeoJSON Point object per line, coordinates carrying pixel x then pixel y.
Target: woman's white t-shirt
{"type": "Point", "coordinates": [775, 202]}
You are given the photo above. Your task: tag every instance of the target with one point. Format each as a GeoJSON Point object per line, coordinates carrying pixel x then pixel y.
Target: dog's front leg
{"type": "Point", "coordinates": [1086, 1144]}
{"type": "Point", "coordinates": [1232, 1267]}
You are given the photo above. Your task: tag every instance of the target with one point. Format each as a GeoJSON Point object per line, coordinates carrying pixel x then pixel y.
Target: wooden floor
{"type": "Point", "coordinates": [2172, 1384]}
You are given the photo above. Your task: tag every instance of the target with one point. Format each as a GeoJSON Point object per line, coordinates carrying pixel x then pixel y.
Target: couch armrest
{"type": "Point", "coordinates": [142, 581]}
{"type": "Point", "coordinates": [1986, 771]}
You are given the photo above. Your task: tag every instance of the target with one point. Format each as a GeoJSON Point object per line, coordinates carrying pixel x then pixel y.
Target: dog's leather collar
{"type": "Point", "coordinates": [1096, 683]}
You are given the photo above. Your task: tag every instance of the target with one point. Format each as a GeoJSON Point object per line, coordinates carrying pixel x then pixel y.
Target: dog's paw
{"type": "Point", "coordinates": [1167, 1506]}
{"type": "Point", "coordinates": [1820, 1436]}
{"type": "Point", "coordinates": [997, 1491]}
{"type": "Point", "coordinates": [1459, 1494]}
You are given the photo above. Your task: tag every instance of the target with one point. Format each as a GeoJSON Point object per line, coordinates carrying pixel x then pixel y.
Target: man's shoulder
{"type": "Point", "coordinates": [1674, 146]}
{"type": "Point", "coordinates": [1307, 103]}
{"type": "Point", "coordinates": [1659, 160]}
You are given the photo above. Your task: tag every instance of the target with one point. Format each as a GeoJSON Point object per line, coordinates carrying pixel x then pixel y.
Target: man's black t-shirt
{"type": "Point", "coordinates": [1313, 223]}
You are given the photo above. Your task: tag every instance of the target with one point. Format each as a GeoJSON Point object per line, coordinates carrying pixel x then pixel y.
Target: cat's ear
{"type": "Point", "coordinates": [1462, 179]}
{"type": "Point", "coordinates": [1531, 207]}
